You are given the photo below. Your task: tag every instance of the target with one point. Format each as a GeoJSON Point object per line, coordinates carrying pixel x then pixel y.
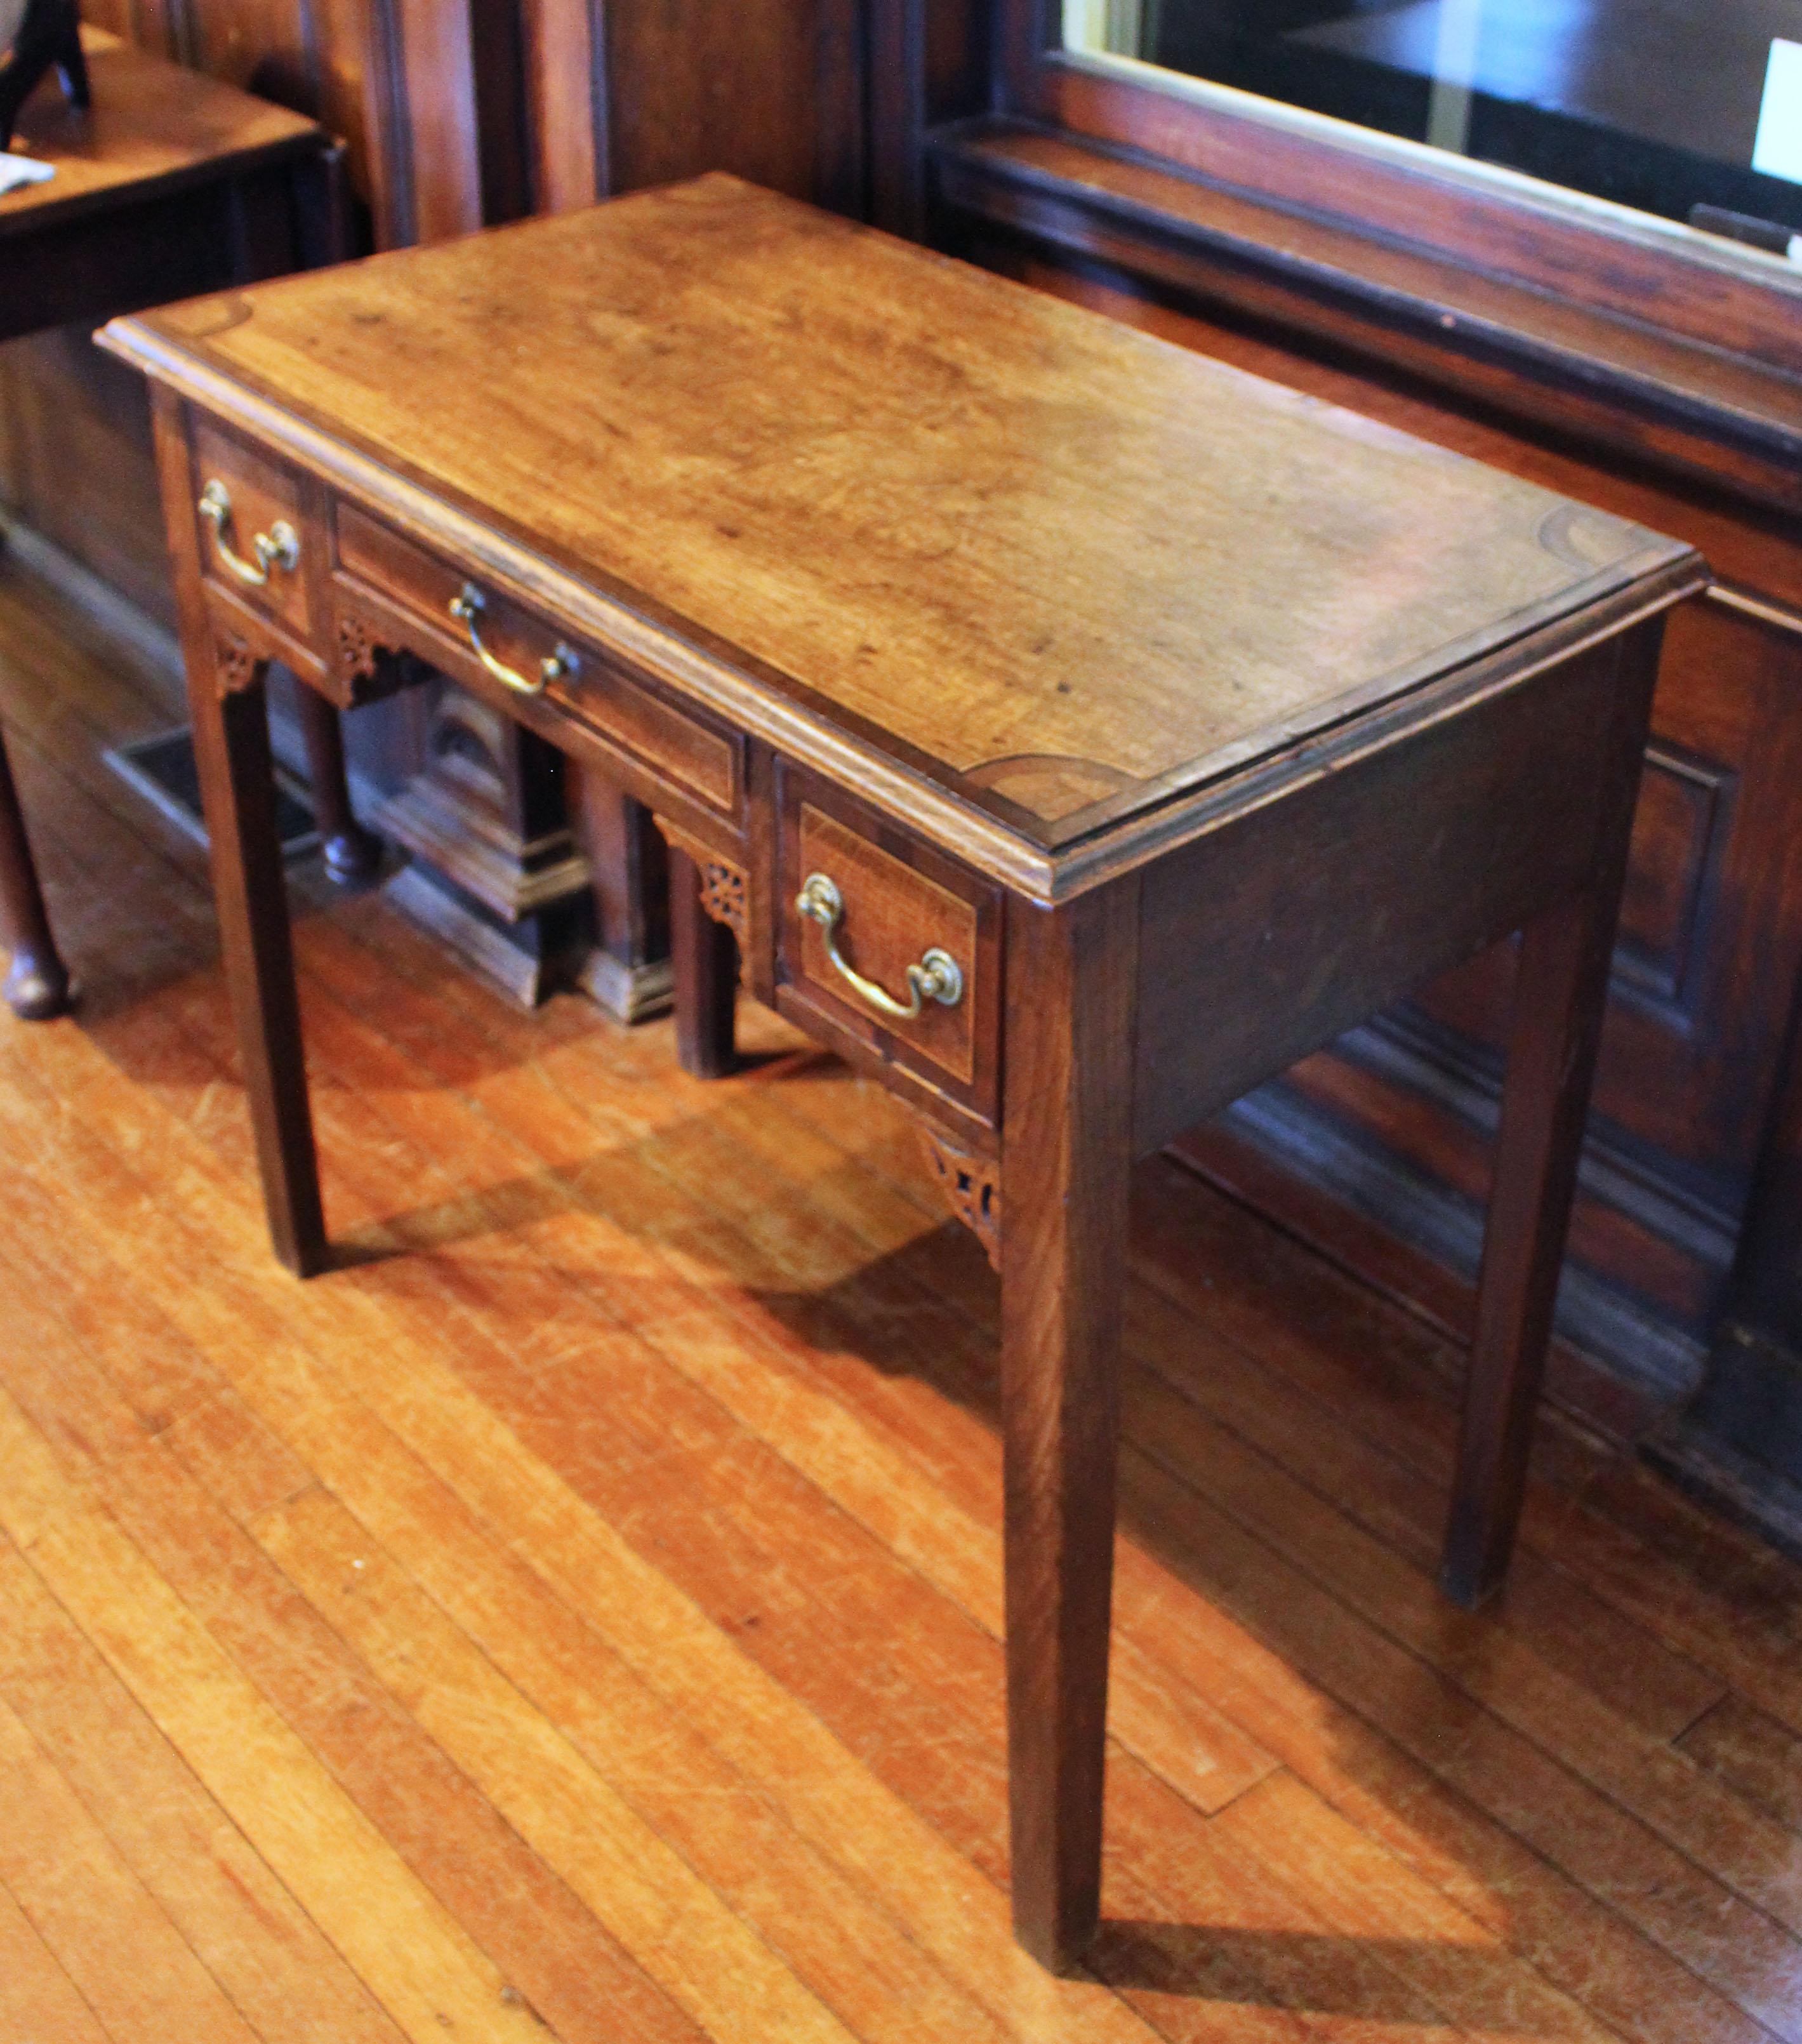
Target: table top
{"type": "Point", "coordinates": [1065, 570]}
{"type": "Point", "coordinates": [153, 125]}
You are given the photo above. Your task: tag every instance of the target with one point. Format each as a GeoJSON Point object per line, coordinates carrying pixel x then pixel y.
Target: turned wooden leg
{"type": "Point", "coordinates": [1066, 1151]}
{"type": "Point", "coordinates": [351, 853]}
{"type": "Point", "coordinates": [704, 958]}
{"type": "Point", "coordinates": [1561, 990]}
{"type": "Point", "coordinates": [37, 982]}
{"type": "Point", "coordinates": [238, 788]}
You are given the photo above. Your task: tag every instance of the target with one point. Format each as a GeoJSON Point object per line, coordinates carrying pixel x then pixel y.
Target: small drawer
{"type": "Point", "coordinates": [585, 685]}
{"type": "Point", "coordinates": [253, 531]}
{"type": "Point", "coordinates": [890, 924]}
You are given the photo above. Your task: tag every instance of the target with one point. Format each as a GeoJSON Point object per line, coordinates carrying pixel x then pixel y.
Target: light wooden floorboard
{"type": "Point", "coordinates": [579, 1614]}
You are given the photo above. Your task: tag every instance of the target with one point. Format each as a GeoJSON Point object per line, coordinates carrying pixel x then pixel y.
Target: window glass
{"type": "Point", "coordinates": [1665, 106]}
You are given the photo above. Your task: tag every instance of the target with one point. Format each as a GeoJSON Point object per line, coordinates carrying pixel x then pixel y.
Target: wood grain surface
{"type": "Point", "coordinates": [1054, 563]}
{"type": "Point", "coordinates": [577, 1615]}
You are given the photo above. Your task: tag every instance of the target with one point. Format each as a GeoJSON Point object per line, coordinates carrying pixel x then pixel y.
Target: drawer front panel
{"type": "Point", "coordinates": [587, 686]}
{"type": "Point", "coordinates": [898, 903]}
{"type": "Point", "coordinates": [259, 500]}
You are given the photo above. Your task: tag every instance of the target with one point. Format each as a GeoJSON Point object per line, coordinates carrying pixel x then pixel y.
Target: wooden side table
{"type": "Point", "coordinates": [1070, 731]}
{"type": "Point", "coordinates": [169, 184]}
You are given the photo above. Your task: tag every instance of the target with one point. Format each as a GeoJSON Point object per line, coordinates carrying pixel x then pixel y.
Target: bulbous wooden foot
{"type": "Point", "coordinates": [353, 857]}
{"type": "Point", "coordinates": [36, 986]}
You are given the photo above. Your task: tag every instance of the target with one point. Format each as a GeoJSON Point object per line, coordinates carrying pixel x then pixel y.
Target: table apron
{"type": "Point", "coordinates": [1263, 941]}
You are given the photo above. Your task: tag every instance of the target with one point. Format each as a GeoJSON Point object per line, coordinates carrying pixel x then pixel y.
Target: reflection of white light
{"type": "Point", "coordinates": [1778, 151]}
{"type": "Point", "coordinates": [1454, 73]}
{"type": "Point", "coordinates": [1117, 27]}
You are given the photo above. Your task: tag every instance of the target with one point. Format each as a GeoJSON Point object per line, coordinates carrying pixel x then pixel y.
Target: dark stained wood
{"type": "Point", "coordinates": [230, 717]}
{"type": "Point", "coordinates": [351, 853]}
{"type": "Point", "coordinates": [1557, 1014]}
{"type": "Point", "coordinates": [1692, 286]}
{"type": "Point", "coordinates": [898, 61]}
{"type": "Point", "coordinates": [704, 953]}
{"type": "Point", "coordinates": [170, 178]}
{"type": "Point", "coordinates": [1694, 1046]}
{"type": "Point", "coordinates": [1292, 921]}
{"type": "Point", "coordinates": [768, 89]}
{"type": "Point", "coordinates": [644, 1389]}
{"type": "Point", "coordinates": [1073, 980]}
{"type": "Point", "coordinates": [1462, 684]}
{"type": "Point", "coordinates": [1671, 396]}
{"type": "Point", "coordinates": [1122, 534]}
{"type": "Point", "coordinates": [566, 91]}
{"type": "Point", "coordinates": [38, 981]}
{"type": "Point", "coordinates": [155, 127]}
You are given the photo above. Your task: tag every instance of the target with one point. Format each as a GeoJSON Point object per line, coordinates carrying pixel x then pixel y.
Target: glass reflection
{"type": "Point", "coordinates": [1662, 105]}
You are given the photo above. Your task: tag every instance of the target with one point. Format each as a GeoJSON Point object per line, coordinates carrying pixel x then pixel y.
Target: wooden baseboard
{"type": "Point", "coordinates": [1613, 1366]}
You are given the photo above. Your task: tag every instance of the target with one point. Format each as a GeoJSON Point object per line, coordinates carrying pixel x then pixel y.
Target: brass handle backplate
{"type": "Point", "coordinates": [279, 548]}
{"type": "Point", "coordinates": [468, 607]}
{"type": "Point", "coordinates": [938, 976]}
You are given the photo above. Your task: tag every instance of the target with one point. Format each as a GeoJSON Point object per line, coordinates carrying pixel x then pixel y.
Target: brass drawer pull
{"type": "Point", "coordinates": [279, 548]}
{"type": "Point", "coordinates": [937, 976]}
{"type": "Point", "coordinates": [467, 606]}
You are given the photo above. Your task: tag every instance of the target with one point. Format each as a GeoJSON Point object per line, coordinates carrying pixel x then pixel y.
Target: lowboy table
{"type": "Point", "coordinates": [1069, 730]}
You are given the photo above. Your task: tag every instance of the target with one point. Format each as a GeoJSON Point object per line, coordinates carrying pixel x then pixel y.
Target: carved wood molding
{"type": "Point", "coordinates": [357, 650]}
{"type": "Point", "coordinates": [236, 664]}
{"type": "Point", "coordinates": [972, 1187]}
{"type": "Point", "coordinates": [364, 663]}
{"type": "Point", "coordinates": [723, 885]}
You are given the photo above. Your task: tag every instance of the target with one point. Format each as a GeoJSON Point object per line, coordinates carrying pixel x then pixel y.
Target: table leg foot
{"type": "Point", "coordinates": [37, 987]}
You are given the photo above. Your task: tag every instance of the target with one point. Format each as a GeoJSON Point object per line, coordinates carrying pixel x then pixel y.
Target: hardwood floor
{"type": "Point", "coordinates": [577, 1614]}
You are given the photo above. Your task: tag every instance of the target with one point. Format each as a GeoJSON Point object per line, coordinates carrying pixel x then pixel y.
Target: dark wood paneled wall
{"type": "Point", "coordinates": [1683, 1275]}
{"type": "Point", "coordinates": [455, 112]}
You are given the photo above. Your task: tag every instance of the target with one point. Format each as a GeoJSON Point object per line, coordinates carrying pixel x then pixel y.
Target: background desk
{"type": "Point", "coordinates": [1187, 721]}
{"type": "Point", "coordinates": [169, 184]}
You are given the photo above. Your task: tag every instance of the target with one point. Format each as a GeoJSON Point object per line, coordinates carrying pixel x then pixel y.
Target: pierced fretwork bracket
{"type": "Point", "coordinates": [722, 883]}
{"type": "Point", "coordinates": [972, 1187]}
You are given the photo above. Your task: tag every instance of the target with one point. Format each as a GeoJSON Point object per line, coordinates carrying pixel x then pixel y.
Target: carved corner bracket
{"type": "Point", "coordinates": [972, 1186]}
{"type": "Point", "coordinates": [723, 885]}
{"type": "Point", "coordinates": [237, 663]}
{"type": "Point", "coordinates": [363, 667]}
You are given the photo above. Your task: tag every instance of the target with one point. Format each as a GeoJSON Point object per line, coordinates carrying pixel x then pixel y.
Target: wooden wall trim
{"type": "Point", "coordinates": [1610, 258]}
{"type": "Point", "coordinates": [423, 81]}
{"type": "Point", "coordinates": [1780, 616]}
{"type": "Point", "coordinates": [1736, 423]}
{"type": "Point", "coordinates": [566, 112]}
{"type": "Point", "coordinates": [897, 116]}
